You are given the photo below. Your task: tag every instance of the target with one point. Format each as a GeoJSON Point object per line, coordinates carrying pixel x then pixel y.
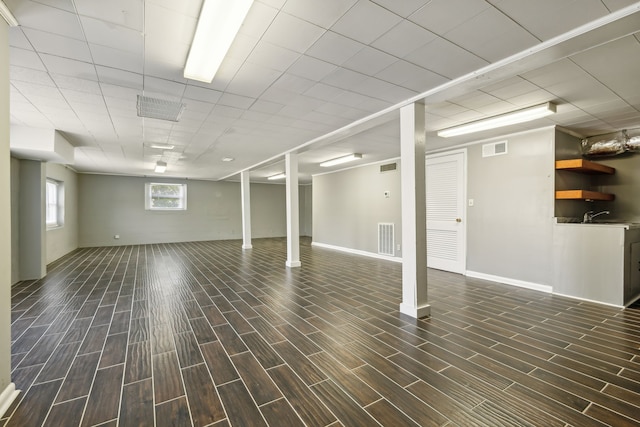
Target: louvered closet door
{"type": "Point", "coordinates": [445, 212]}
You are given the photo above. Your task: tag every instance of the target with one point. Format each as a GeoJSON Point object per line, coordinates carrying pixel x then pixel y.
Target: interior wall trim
{"type": "Point", "coordinates": [356, 252]}
{"type": "Point", "coordinates": [7, 397]}
{"type": "Point", "coordinates": [509, 281]}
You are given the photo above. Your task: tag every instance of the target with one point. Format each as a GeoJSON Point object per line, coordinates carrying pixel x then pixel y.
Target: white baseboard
{"type": "Point", "coordinates": [7, 397]}
{"type": "Point", "coordinates": [590, 300]}
{"type": "Point", "coordinates": [508, 281]}
{"type": "Point", "coordinates": [356, 252]}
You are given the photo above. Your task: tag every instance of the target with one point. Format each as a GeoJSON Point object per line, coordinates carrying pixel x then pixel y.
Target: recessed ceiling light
{"type": "Point", "coordinates": [512, 118]}
{"type": "Point", "coordinates": [278, 176]}
{"type": "Point", "coordinates": [228, 159]}
{"type": "Point", "coordinates": [340, 160]}
{"type": "Point", "coordinates": [160, 167]}
{"type": "Point", "coordinates": [163, 146]}
{"type": "Point", "coordinates": [217, 26]}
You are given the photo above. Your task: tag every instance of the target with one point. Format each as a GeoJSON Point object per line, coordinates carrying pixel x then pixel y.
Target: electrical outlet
{"type": "Point", "coordinates": [387, 194]}
{"type": "Point", "coordinates": [117, 236]}
{"type": "Point", "coordinates": [470, 202]}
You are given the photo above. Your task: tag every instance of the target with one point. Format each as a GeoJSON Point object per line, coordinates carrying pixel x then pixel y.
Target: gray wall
{"type": "Point", "coordinates": [306, 210]}
{"type": "Point", "coordinates": [110, 205]}
{"type": "Point", "coordinates": [510, 226]}
{"type": "Point", "coordinates": [15, 224]}
{"type": "Point", "coordinates": [348, 205]}
{"type": "Point", "coordinates": [5, 215]}
{"type": "Point", "coordinates": [31, 224]}
{"type": "Point", "coordinates": [62, 240]}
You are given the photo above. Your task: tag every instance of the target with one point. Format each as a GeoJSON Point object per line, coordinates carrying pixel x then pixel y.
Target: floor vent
{"type": "Point", "coordinates": [494, 149]}
{"type": "Point", "coordinates": [386, 238]}
{"type": "Point", "coordinates": [388, 167]}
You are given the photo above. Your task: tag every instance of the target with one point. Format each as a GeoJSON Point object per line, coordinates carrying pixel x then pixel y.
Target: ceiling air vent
{"type": "Point", "coordinates": [155, 108]}
{"type": "Point", "coordinates": [494, 149]}
{"type": "Point", "coordinates": [388, 167]}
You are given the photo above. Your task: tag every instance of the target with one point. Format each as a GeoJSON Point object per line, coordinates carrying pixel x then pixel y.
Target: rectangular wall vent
{"type": "Point", "coordinates": [386, 238]}
{"type": "Point", "coordinates": [388, 167]}
{"type": "Point", "coordinates": [494, 149]}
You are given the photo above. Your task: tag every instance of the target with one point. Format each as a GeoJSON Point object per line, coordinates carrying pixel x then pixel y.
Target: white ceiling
{"type": "Point", "coordinates": [305, 70]}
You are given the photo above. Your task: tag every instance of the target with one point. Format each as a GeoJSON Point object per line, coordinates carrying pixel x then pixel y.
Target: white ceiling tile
{"type": "Point", "coordinates": [457, 63]}
{"type": "Point", "coordinates": [165, 26]}
{"type": "Point", "coordinates": [237, 101]}
{"type": "Point", "coordinates": [345, 79]}
{"type": "Point", "coordinates": [227, 70]}
{"type": "Point", "coordinates": [369, 61]}
{"type": "Point", "coordinates": [29, 89]}
{"type": "Point", "coordinates": [119, 77]}
{"type": "Point", "coordinates": [119, 92]}
{"type": "Point", "coordinates": [323, 91]}
{"type": "Point", "coordinates": [273, 3]}
{"type": "Point", "coordinates": [72, 96]}
{"type": "Point", "coordinates": [411, 76]}
{"type": "Point", "coordinates": [69, 67]}
{"type": "Point", "coordinates": [114, 58]}
{"type": "Point", "coordinates": [81, 85]}
{"type": "Point", "coordinates": [202, 94]}
{"type": "Point", "coordinates": [258, 19]}
{"type": "Point", "coordinates": [169, 88]}
{"type": "Point", "coordinates": [58, 45]}
{"type": "Point", "coordinates": [334, 48]}
{"type": "Point", "coordinates": [403, 39]}
{"type": "Point", "coordinates": [18, 39]}
{"type": "Point", "coordinates": [548, 18]}
{"type": "Point", "coordinates": [475, 100]}
{"type": "Point", "coordinates": [324, 13]}
{"type": "Point", "coordinates": [293, 83]}
{"type": "Point", "coordinates": [365, 22]}
{"type": "Point", "coordinates": [491, 36]}
{"type": "Point", "coordinates": [251, 80]}
{"type": "Point", "coordinates": [383, 90]}
{"type": "Point", "coordinates": [266, 107]}
{"type": "Point", "coordinates": [183, 7]}
{"type": "Point", "coordinates": [242, 46]}
{"type": "Point", "coordinates": [127, 13]}
{"type": "Point", "coordinates": [25, 58]}
{"type": "Point", "coordinates": [30, 75]}
{"type": "Point", "coordinates": [311, 68]}
{"type": "Point", "coordinates": [441, 16]}
{"type": "Point", "coordinates": [403, 8]}
{"type": "Point", "coordinates": [106, 33]}
{"type": "Point", "coordinates": [273, 56]}
{"type": "Point", "coordinates": [33, 14]}
{"type": "Point", "coordinates": [292, 33]}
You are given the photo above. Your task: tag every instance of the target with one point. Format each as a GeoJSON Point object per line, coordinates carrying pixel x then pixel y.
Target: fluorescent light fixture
{"type": "Point", "coordinates": [163, 146]}
{"type": "Point", "coordinates": [160, 167]}
{"type": "Point", "coordinates": [512, 118]}
{"type": "Point", "coordinates": [228, 159]}
{"type": "Point", "coordinates": [7, 15]}
{"type": "Point", "coordinates": [340, 160]}
{"type": "Point", "coordinates": [278, 176]}
{"type": "Point", "coordinates": [217, 26]}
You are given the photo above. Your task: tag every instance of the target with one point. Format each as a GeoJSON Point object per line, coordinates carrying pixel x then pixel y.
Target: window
{"type": "Point", "coordinates": [166, 197]}
{"type": "Point", "coordinates": [55, 203]}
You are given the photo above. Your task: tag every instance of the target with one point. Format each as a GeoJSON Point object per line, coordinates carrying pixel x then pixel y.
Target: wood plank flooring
{"type": "Point", "coordinates": [206, 334]}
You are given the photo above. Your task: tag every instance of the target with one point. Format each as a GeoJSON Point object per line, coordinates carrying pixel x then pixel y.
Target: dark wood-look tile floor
{"type": "Point", "coordinates": [205, 334]}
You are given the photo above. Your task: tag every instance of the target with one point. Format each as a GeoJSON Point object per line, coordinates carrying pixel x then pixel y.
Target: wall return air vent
{"type": "Point", "coordinates": [388, 167]}
{"type": "Point", "coordinates": [494, 149]}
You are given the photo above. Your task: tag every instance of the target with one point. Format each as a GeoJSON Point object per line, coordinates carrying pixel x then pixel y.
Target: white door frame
{"type": "Point", "coordinates": [463, 229]}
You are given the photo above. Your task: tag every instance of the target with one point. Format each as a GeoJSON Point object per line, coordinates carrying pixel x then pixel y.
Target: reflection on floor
{"type": "Point", "coordinates": [208, 334]}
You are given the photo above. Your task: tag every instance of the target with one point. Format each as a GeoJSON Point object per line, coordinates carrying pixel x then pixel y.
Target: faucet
{"type": "Point", "coordinates": [588, 216]}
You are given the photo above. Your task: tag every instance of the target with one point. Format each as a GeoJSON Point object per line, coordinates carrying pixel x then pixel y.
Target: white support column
{"type": "Point", "coordinates": [293, 220]}
{"type": "Point", "coordinates": [414, 212]}
{"type": "Point", "coordinates": [245, 192]}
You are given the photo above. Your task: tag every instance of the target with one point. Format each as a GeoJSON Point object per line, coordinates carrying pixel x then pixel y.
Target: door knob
{"type": "Point", "coordinates": [458, 219]}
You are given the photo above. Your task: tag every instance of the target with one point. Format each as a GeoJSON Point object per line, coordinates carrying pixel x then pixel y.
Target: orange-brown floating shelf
{"type": "Point", "coordinates": [583, 166]}
{"type": "Point", "coordinates": [583, 195]}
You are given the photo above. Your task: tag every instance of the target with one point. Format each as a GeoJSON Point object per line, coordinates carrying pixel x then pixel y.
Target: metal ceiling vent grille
{"type": "Point", "coordinates": [155, 108]}
{"type": "Point", "coordinates": [386, 238]}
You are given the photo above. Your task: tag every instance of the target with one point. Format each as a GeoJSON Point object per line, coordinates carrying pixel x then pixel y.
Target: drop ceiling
{"type": "Point", "coordinates": [300, 73]}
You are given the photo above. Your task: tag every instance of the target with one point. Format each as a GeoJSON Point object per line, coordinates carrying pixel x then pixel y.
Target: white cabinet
{"type": "Point", "coordinates": [597, 262]}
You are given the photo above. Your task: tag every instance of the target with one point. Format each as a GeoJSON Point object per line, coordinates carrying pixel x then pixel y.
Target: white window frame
{"type": "Point", "coordinates": [149, 197]}
{"type": "Point", "coordinates": [54, 203]}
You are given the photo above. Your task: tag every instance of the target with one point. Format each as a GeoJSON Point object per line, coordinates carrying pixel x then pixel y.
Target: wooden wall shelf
{"type": "Point", "coordinates": [584, 166]}
{"type": "Point", "coordinates": [583, 195]}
